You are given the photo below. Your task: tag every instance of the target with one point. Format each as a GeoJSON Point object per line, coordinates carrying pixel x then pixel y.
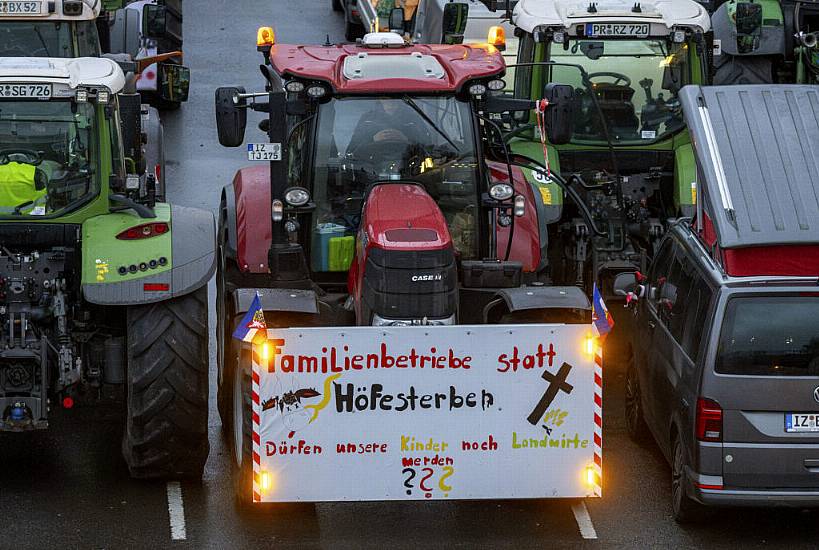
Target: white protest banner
{"type": "Point", "coordinates": [402, 413]}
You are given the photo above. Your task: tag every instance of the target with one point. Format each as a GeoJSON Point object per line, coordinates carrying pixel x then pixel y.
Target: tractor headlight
{"type": "Point", "coordinates": [81, 96]}
{"type": "Point", "coordinates": [297, 196]}
{"type": "Point", "coordinates": [294, 87]}
{"type": "Point", "coordinates": [477, 89]}
{"type": "Point", "coordinates": [559, 37]}
{"type": "Point", "coordinates": [678, 37]}
{"type": "Point", "coordinates": [496, 85]}
{"type": "Point", "coordinates": [501, 191]}
{"type": "Point", "coordinates": [103, 97]}
{"type": "Point", "coordinates": [316, 91]}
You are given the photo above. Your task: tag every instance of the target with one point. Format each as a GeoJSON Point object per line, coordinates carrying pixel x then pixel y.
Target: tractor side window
{"type": "Point", "coordinates": [117, 147]}
{"type": "Point", "coordinates": [297, 155]}
{"type": "Point", "coordinates": [88, 40]}
{"type": "Point", "coordinates": [523, 75]}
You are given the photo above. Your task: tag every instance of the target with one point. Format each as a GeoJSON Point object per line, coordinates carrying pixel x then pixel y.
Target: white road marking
{"type": "Point", "coordinates": [176, 511]}
{"type": "Point", "coordinates": [583, 519]}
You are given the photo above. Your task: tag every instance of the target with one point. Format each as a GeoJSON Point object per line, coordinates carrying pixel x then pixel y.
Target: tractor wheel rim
{"type": "Point", "coordinates": [238, 416]}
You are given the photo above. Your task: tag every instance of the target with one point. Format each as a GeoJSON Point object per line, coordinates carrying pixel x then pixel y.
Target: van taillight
{"type": "Point", "coordinates": [709, 420]}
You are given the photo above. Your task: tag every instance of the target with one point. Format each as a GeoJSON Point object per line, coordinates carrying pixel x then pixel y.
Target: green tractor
{"type": "Point", "coordinates": [103, 289]}
{"type": "Point", "coordinates": [608, 194]}
{"type": "Point", "coordinates": [766, 42]}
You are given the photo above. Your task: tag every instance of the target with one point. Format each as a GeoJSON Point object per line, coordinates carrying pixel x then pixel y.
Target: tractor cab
{"type": "Point", "coordinates": [630, 152]}
{"type": "Point", "coordinates": [390, 167]}
{"type": "Point", "coordinates": [63, 28]}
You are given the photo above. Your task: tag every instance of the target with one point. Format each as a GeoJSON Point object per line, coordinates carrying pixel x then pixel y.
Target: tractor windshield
{"type": "Point", "coordinates": [362, 141]}
{"type": "Point", "coordinates": [49, 39]}
{"type": "Point", "coordinates": [47, 152]}
{"type": "Point", "coordinates": [635, 82]}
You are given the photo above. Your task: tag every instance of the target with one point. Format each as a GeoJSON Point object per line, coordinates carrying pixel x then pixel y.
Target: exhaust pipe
{"type": "Point", "coordinates": [808, 40]}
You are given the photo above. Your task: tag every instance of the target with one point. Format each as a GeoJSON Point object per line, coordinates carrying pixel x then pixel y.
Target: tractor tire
{"type": "Point", "coordinates": [338, 6]}
{"type": "Point", "coordinates": [635, 420]}
{"type": "Point", "coordinates": [166, 432]}
{"type": "Point", "coordinates": [743, 70]}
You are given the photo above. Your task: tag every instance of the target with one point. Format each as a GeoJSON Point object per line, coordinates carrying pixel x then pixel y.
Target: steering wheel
{"type": "Point", "coordinates": [611, 74]}
{"type": "Point", "coordinates": [34, 157]}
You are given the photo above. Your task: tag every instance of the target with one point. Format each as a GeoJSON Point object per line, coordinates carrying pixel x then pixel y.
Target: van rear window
{"type": "Point", "coordinates": [770, 336]}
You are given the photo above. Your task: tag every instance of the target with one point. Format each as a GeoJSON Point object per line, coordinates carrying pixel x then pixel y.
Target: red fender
{"type": "Point", "coordinates": [253, 226]}
{"type": "Point", "coordinates": [526, 240]}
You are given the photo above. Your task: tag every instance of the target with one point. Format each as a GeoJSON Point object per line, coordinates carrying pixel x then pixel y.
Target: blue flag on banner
{"type": "Point", "coordinates": [252, 322]}
{"type": "Point", "coordinates": [602, 319]}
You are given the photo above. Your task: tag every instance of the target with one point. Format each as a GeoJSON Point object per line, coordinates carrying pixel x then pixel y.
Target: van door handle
{"type": "Point", "coordinates": [812, 464]}
{"type": "Point", "coordinates": [652, 325]}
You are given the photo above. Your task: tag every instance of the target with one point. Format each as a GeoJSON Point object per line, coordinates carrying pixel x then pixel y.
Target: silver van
{"type": "Point", "coordinates": [725, 362]}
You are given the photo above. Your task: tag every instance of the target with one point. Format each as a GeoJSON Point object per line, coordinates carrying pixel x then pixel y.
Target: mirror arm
{"type": "Point", "coordinates": [498, 104]}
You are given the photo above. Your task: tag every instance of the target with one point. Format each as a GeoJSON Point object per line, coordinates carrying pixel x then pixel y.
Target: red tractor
{"type": "Point", "coordinates": [385, 197]}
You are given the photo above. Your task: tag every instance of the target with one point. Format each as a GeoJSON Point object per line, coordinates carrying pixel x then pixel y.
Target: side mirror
{"type": "Point", "coordinates": [748, 17]}
{"type": "Point", "coordinates": [162, 22]}
{"type": "Point", "coordinates": [749, 26]}
{"type": "Point", "coordinates": [174, 82]}
{"type": "Point", "coordinates": [560, 113]}
{"type": "Point", "coordinates": [454, 22]}
{"type": "Point", "coordinates": [154, 22]}
{"type": "Point", "coordinates": [397, 20]}
{"type": "Point", "coordinates": [624, 284]}
{"type": "Point", "coordinates": [231, 116]}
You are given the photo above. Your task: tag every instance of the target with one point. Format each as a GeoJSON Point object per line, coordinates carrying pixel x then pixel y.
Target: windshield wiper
{"type": "Point", "coordinates": [409, 101]}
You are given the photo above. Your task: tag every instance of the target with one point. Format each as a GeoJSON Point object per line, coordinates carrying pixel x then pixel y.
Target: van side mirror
{"type": "Point", "coordinates": [559, 116]}
{"type": "Point", "coordinates": [624, 283]}
{"type": "Point", "coordinates": [454, 22]}
{"type": "Point", "coordinates": [397, 20]}
{"type": "Point", "coordinates": [231, 116]}
{"type": "Point", "coordinates": [174, 82]}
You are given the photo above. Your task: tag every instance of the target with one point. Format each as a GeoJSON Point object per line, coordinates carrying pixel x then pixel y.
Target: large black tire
{"type": "Point", "coordinates": [743, 70]}
{"type": "Point", "coordinates": [635, 419]}
{"type": "Point", "coordinates": [684, 509]}
{"type": "Point", "coordinates": [166, 431]}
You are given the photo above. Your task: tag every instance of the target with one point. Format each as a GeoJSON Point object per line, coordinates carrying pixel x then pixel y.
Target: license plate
{"type": "Point", "coordinates": [20, 7]}
{"type": "Point", "coordinates": [25, 91]}
{"type": "Point", "coordinates": [795, 422]}
{"type": "Point", "coordinates": [264, 151]}
{"type": "Point", "coordinates": [638, 30]}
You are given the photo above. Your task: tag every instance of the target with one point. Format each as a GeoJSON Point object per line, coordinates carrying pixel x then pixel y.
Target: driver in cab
{"type": "Point", "coordinates": [389, 121]}
{"type": "Point", "coordinates": [22, 184]}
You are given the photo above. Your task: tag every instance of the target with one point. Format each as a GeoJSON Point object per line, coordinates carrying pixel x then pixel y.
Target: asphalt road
{"type": "Point", "coordinates": [69, 488]}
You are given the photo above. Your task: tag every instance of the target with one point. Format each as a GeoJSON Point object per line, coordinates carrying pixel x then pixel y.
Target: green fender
{"type": "Point", "coordinates": [142, 271]}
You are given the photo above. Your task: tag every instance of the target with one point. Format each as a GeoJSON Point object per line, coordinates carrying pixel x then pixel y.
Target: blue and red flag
{"type": "Point", "coordinates": [252, 323]}
{"type": "Point", "coordinates": [601, 318]}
